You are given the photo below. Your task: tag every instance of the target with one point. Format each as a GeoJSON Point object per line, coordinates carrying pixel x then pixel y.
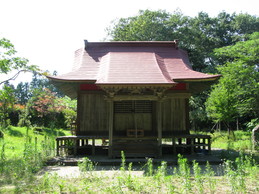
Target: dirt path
{"type": "Point", "coordinates": [110, 171]}
{"type": "Point", "coordinates": [74, 172]}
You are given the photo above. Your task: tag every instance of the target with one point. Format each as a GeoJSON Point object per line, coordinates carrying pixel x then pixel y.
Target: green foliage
{"type": "Point", "coordinates": [198, 115]}
{"type": "Point", "coordinates": [44, 108]}
{"type": "Point", "coordinates": [252, 124]}
{"type": "Point", "coordinates": [236, 173]}
{"type": "Point", "coordinates": [69, 110]}
{"type": "Point", "coordinates": [123, 161]}
{"type": "Point", "coordinates": [150, 167]}
{"type": "Point", "coordinates": [199, 35]}
{"type": "Point", "coordinates": [22, 93]}
{"type": "Point", "coordinates": [198, 177]}
{"type": "Point", "coordinates": [184, 173]}
{"type": "Point", "coordinates": [10, 62]}
{"type": "Point", "coordinates": [22, 154]}
{"type": "Point", "coordinates": [237, 93]}
{"type": "Point", "coordinates": [86, 165]}
{"type": "Point", "coordinates": [24, 118]}
{"type": "Point", "coordinates": [148, 25]}
{"type": "Point", "coordinates": [7, 59]}
{"type": "Point", "coordinates": [238, 141]}
{"type": "Point", "coordinates": [161, 172]}
{"type": "Point", "coordinates": [37, 102]}
{"type": "Point", "coordinates": [209, 177]}
{"type": "Point", "coordinates": [7, 101]}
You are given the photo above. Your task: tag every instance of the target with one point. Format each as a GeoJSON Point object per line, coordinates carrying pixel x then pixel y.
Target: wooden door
{"type": "Point", "coordinates": [135, 114]}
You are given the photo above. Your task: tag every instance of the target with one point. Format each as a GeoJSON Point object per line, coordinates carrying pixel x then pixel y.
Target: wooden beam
{"type": "Point", "coordinates": [134, 97]}
{"type": "Point", "coordinates": [177, 95]}
{"type": "Point", "coordinates": [110, 124]}
{"type": "Point", "coordinates": [159, 127]}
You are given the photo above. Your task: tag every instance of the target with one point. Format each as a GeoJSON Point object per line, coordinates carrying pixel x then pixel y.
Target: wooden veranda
{"type": "Point", "coordinates": [86, 145]}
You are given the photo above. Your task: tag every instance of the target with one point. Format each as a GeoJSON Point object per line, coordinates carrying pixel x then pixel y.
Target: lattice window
{"type": "Point", "coordinates": [138, 106]}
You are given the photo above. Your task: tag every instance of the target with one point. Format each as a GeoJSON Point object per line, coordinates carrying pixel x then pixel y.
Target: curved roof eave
{"type": "Point", "coordinates": [58, 79]}
{"type": "Point", "coordinates": [212, 78]}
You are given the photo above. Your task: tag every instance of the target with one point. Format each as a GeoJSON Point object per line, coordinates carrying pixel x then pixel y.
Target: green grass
{"type": "Point", "coordinates": [238, 140]}
{"type": "Point", "coordinates": [15, 138]}
{"type": "Point", "coordinates": [23, 152]}
{"type": "Point", "coordinates": [241, 176]}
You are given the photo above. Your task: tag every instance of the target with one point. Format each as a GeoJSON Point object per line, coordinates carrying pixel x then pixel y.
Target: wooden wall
{"type": "Point", "coordinates": [175, 116]}
{"type": "Point", "coordinates": [93, 114]}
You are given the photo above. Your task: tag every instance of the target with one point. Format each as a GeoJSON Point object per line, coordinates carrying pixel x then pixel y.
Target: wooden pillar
{"type": "Point", "coordinates": [75, 146]}
{"type": "Point", "coordinates": [79, 113]}
{"type": "Point", "coordinates": [110, 125]}
{"type": "Point", "coordinates": [57, 146]}
{"type": "Point", "coordinates": [159, 127]}
{"type": "Point", "coordinates": [192, 145]}
{"type": "Point", "coordinates": [174, 145]}
{"type": "Point", "coordinates": [93, 146]}
{"type": "Point", "coordinates": [209, 145]}
{"type": "Point", "coordinates": [186, 116]}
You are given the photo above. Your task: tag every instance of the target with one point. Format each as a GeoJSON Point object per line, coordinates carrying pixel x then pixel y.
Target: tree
{"type": "Point", "coordinates": [22, 93]}
{"type": "Point", "coordinates": [7, 101]}
{"type": "Point", "coordinates": [10, 62]}
{"type": "Point", "coordinates": [45, 109]}
{"type": "Point", "coordinates": [39, 82]}
{"type": "Point", "coordinates": [198, 35]}
{"type": "Point", "coordinates": [237, 93]}
{"type": "Point", "coordinates": [147, 26]}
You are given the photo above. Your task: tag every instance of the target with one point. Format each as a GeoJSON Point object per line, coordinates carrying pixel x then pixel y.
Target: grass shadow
{"type": "Point", "coordinates": [15, 133]}
{"type": "Point", "coordinates": [53, 132]}
{"type": "Point", "coordinates": [48, 131]}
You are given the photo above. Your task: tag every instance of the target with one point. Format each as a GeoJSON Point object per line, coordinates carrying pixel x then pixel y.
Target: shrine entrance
{"type": "Point", "coordinates": [133, 128]}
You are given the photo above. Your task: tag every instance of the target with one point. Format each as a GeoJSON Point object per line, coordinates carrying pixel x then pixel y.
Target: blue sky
{"type": "Point", "coordinates": [47, 32]}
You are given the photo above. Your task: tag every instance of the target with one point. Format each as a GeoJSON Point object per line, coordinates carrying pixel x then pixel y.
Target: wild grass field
{"type": "Point", "coordinates": [23, 153]}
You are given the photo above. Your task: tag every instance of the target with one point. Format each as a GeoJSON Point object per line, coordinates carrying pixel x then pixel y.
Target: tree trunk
{"type": "Point", "coordinates": [255, 137]}
{"type": "Point", "coordinates": [229, 128]}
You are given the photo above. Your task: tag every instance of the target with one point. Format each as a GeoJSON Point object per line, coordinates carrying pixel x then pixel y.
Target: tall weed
{"type": "Point", "coordinates": [123, 161]}
{"type": "Point", "coordinates": [185, 173]}
{"type": "Point", "coordinates": [161, 171]}
{"type": "Point", "coordinates": [231, 175]}
{"type": "Point", "coordinates": [209, 177]}
{"type": "Point", "coordinates": [3, 158]}
{"type": "Point", "coordinates": [198, 177]}
{"type": "Point", "coordinates": [237, 172]}
{"type": "Point", "coordinates": [86, 165]}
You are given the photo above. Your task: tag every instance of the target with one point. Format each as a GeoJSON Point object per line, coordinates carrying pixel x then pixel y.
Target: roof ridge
{"type": "Point", "coordinates": [127, 43]}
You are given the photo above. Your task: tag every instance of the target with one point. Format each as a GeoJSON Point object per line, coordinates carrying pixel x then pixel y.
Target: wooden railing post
{"type": "Point", "coordinates": [57, 146]}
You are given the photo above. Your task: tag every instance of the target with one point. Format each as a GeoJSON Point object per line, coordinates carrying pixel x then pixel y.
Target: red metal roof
{"type": "Point", "coordinates": [132, 63]}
